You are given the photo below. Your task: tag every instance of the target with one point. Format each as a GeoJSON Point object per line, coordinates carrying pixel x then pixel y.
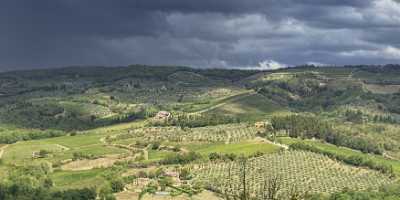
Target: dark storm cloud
{"type": "Point", "coordinates": [206, 33]}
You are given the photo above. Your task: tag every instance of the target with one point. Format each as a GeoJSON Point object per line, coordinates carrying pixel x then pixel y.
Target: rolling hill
{"type": "Point", "coordinates": [322, 131]}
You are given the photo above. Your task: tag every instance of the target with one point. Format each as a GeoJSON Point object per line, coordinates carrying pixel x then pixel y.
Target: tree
{"type": "Point", "coordinates": [270, 188]}
{"type": "Point", "coordinates": [155, 145]}
{"type": "Point", "coordinates": [117, 185]}
{"type": "Point", "coordinates": [43, 153]}
{"type": "Point", "coordinates": [184, 174]}
{"type": "Point", "coordinates": [244, 193]}
{"type": "Point", "coordinates": [270, 128]}
{"type": "Point", "coordinates": [105, 192]}
{"type": "Point", "coordinates": [164, 182]}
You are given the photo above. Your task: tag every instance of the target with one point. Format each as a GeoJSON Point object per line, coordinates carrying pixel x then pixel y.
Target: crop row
{"type": "Point", "coordinates": [307, 172]}
{"type": "Point", "coordinates": [222, 133]}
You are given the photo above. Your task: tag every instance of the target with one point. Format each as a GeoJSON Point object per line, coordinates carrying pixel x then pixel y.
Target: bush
{"type": "Point", "coordinates": [183, 158]}
{"type": "Point", "coordinates": [43, 153]}
{"type": "Point", "coordinates": [81, 155]}
{"type": "Point", "coordinates": [219, 156]}
{"type": "Point", "coordinates": [155, 145]}
{"type": "Point", "coordinates": [117, 185]}
{"type": "Point", "coordinates": [184, 174]}
{"type": "Point", "coordinates": [105, 192]}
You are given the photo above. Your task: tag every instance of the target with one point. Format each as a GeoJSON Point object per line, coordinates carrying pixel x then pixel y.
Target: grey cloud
{"type": "Point", "coordinates": [207, 33]}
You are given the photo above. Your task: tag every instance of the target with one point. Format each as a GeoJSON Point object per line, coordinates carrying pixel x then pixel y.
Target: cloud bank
{"type": "Point", "coordinates": [207, 33]}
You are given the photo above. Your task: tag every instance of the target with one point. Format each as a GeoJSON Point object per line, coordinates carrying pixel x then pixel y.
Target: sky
{"type": "Point", "coordinates": [261, 34]}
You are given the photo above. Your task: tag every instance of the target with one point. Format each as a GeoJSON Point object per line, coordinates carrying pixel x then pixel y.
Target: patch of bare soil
{"type": "Point", "coordinates": [134, 171]}
{"type": "Point", "coordinates": [79, 165]}
{"type": "Point", "coordinates": [382, 89]}
{"type": "Point", "coordinates": [127, 195]}
{"type": "Point", "coordinates": [260, 139]}
{"type": "Point", "coordinates": [208, 195]}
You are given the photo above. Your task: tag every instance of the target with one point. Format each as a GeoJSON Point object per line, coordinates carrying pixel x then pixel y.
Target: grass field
{"type": "Point", "coordinates": [210, 103]}
{"type": "Point", "coordinates": [242, 148]}
{"type": "Point", "coordinates": [21, 152]}
{"type": "Point", "coordinates": [78, 179]}
{"type": "Point", "coordinates": [382, 89]}
{"type": "Point", "coordinates": [251, 107]}
{"type": "Point", "coordinates": [158, 155]}
{"type": "Point", "coordinates": [62, 148]}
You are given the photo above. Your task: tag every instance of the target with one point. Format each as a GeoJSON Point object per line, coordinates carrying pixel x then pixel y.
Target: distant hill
{"type": "Point", "coordinates": [111, 93]}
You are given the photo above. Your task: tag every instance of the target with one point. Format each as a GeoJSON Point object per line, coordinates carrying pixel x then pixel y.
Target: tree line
{"type": "Point", "coordinates": [12, 136]}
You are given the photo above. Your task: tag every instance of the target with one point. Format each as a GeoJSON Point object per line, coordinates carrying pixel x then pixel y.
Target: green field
{"type": "Point", "coordinates": [250, 107]}
{"type": "Point", "coordinates": [78, 179]}
{"type": "Point", "coordinates": [242, 148]}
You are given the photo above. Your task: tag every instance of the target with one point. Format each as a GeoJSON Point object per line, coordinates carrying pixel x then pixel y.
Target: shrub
{"type": "Point", "coordinates": [184, 174]}
{"type": "Point", "coordinates": [81, 155]}
{"type": "Point", "coordinates": [117, 185]}
{"type": "Point", "coordinates": [219, 156]}
{"type": "Point", "coordinates": [155, 145]}
{"type": "Point", "coordinates": [43, 153]}
{"type": "Point", "coordinates": [182, 158]}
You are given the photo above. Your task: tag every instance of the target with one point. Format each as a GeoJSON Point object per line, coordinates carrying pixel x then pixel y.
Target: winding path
{"type": "Point", "coordinates": [225, 101]}
{"type": "Point", "coordinates": [284, 146]}
{"type": "Point", "coordinates": [2, 149]}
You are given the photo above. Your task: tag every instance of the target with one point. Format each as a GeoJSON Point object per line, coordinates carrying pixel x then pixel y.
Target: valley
{"type": "Point", "coordinates": [148, 132]}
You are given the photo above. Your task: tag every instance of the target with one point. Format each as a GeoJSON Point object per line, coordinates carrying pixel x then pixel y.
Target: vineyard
{"type": "Point", "coordinates": [221, 133]}
{"type": "Point", "coordinates": [296, 170]}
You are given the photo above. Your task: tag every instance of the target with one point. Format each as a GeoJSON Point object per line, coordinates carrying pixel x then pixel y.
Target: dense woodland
{"type": "Point", "coordinates": [307, 127]}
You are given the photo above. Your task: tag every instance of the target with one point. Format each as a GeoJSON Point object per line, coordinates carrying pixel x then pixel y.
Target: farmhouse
{"type": "Point", "coordinates": [260, 124]}
{"type": "Point", "coordinates": [263, 125]}
{"type": "Point", "coordinates": [142, 182]}
{"type": "Point", "coordinates": [36, 154]}
{"type": "Point", "coordinates": [163, 115]}
{"type": "Point", "coordinates": [171, 174]}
